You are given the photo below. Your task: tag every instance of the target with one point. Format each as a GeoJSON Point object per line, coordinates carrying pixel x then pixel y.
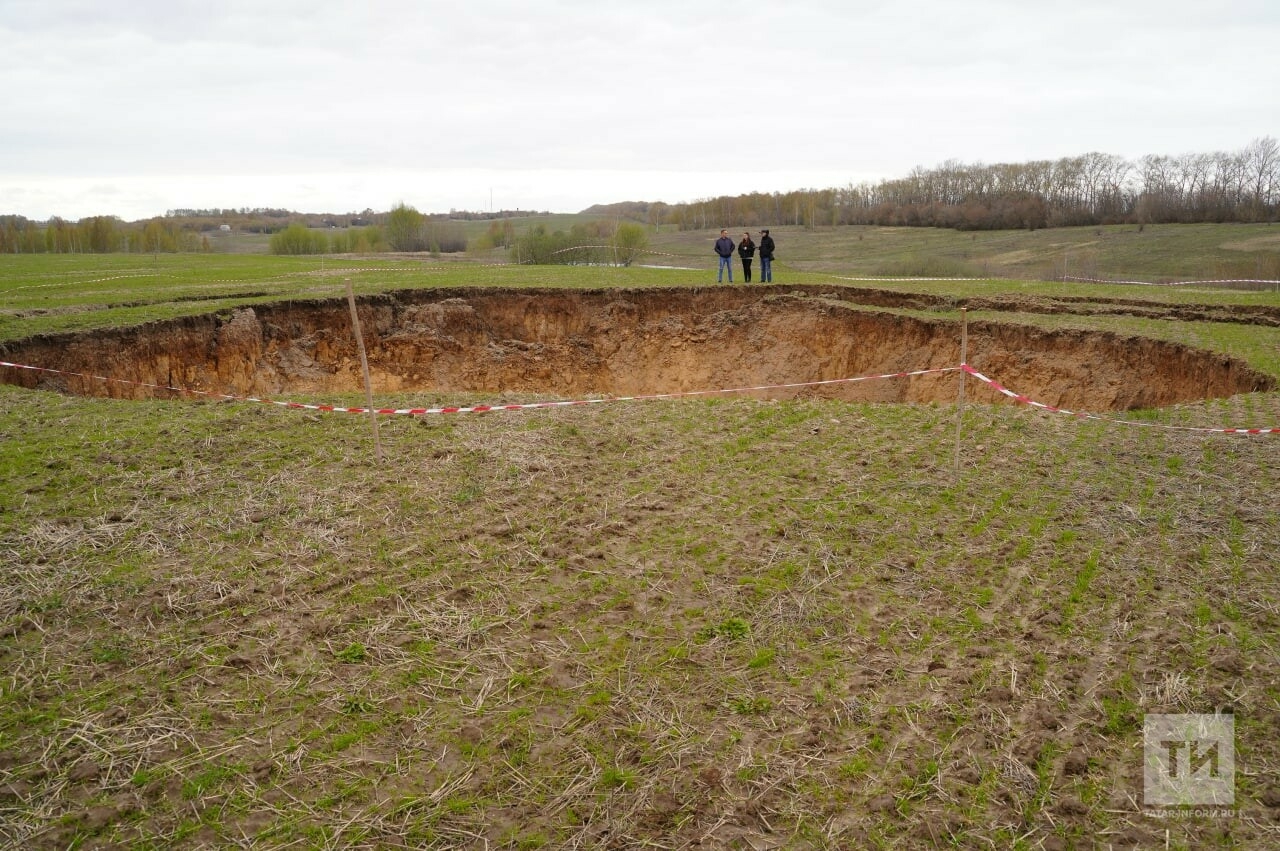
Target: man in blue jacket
{"type": "Point", "coordinates": [724, 247]}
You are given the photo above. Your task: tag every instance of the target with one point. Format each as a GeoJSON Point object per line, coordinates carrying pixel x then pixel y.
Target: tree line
{"type": "Point", "coordinates": [1092, 189]}
{"type": "Point", "coordinates": [96, 235]}
{"type": "Point", "coordinates": [189, 230]}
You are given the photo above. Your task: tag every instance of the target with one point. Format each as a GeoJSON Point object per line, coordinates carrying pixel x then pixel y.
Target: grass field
{"type": "Point", "coordinates": [1149, 252]}
{"type": "Point", "coordinates": [1115, 252]}
{"type": "Point", "coordinates": [1153, 252]}
{"type": "Point", "coordinates": [730, 623]}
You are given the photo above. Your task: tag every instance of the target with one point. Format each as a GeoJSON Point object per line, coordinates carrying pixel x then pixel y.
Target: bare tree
{"type": "Point", "coordinates": [1260, 172]}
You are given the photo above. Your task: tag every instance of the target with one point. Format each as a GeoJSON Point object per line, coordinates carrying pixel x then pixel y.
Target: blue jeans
{"type": "Point", "coordinates": [766, 270]}
{"type": "Point", "coordinates": [725, 263]}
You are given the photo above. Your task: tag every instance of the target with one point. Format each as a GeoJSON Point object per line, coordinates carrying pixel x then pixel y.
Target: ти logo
{"type": "Point", "coordinates": [1189, 761]}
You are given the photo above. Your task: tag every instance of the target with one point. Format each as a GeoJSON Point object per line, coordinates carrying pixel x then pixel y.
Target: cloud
{"type": "Point", "coordinates": [198, 92]}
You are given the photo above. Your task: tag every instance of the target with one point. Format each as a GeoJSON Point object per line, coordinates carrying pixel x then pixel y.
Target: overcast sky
{"type": "Point", "coordinates": [138, 106]}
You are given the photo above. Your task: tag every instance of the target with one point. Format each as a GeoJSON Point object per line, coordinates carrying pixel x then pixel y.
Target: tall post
{"type": "Point", "coordinates": [364, 366]}
{"type": "Point", "coordinates": [964, 361]}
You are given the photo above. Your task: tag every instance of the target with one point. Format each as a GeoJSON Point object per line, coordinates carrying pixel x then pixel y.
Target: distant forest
{"type": "Point", "coordinates": [1093, 189]}
{"type": "Point", "coordinates": [183, 230]}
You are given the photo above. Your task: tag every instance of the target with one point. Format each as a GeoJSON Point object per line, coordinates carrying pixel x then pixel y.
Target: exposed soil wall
{"type": "Point", "coordinates": [624, 342]}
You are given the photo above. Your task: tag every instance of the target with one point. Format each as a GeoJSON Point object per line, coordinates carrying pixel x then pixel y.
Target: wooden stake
{"type": "Point", "coordinates": [364, 366]}
{"type": "Point", "coordinates": [964, 361]}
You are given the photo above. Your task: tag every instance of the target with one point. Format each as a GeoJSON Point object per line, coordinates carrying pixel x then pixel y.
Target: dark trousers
{"type": "Point", "coordinates": [746, 269]}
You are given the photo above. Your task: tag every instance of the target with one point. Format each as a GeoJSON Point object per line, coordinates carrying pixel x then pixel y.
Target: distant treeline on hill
{"type": "Point", "coordinates": [97, 235]}
{"type": "Point", "coordinates": [1093, 189]}
{"type": "Point", "coordinates": [189, 229]}
{"type": "Point", "coordinates": [177, 230]}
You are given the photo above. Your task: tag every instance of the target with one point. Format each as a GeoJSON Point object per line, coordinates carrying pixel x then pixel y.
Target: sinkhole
{"type": "Point", "coordinates": [618, 341]}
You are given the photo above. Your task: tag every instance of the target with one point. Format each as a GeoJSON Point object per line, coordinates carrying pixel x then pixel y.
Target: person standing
{"type": "Point", "coordinates": [766, 257]}
{"type": "Point", "coordinates": [724, 248]}
{"type": "Point", "coordinates": [746, 250]}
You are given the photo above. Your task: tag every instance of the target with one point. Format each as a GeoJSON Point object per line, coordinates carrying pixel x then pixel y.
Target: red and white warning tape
{"type": "Point", "coordinates": [323, 272]}
{"type": "Point", "coordinates": [1027, 400]}
{"type": "Point", "coordinates": [1169, 283]}
{"type": "Point", "coordinates": [527, 406]}
{"type": "Point", "coordinates": [81, 283]}
{"type": "Point", "coordinates": [893, 280]}
{"type": "Point", "coordinates": [482, 409]}
{"type": "Point", "coordinates": [620, 250]}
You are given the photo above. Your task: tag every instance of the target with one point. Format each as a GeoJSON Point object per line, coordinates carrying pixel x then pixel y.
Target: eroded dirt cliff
{"type": "Point", "coordinates": [569, 342]}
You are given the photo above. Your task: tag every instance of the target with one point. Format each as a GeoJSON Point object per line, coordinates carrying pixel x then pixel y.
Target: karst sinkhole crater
{"type": "Point", "coordinates": [621, 342]}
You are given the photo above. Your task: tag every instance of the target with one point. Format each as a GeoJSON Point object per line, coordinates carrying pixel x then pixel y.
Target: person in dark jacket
{"type": "Point", "coordinates": [724, 247]}
{"type": "Point", "coordinates": [746, 250]}
{"type": "Point", "coordinates": [766, 257]}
